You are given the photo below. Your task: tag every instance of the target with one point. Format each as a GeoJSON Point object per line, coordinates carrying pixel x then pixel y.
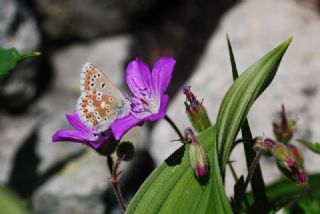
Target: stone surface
{"type": "Point", "coordinates": [76, 189]}
{"type": "Point", "coordinates": [253, 32]}
{"type": "Point", "coordinates": [17, 27]}
{"type": "Point", "coordinates": [108, 54]}
{"type": "Point", "coordinates": [69, 19]}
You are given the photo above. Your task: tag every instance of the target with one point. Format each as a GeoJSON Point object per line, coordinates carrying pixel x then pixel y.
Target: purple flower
{"type": "Point", "coordinates": [148, 102]}
{"type": "Point", "coordinates": [82, 133]}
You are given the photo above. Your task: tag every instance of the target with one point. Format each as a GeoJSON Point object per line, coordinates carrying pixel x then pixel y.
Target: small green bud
{"type": "Point", "coordinates": [196, 111]}
{"type": "Point", "coordinates": [198, 158]}
{"type": "Point", "coordinates": [126, 150]}
{"type": "Point", "coordinates": [284, 129]}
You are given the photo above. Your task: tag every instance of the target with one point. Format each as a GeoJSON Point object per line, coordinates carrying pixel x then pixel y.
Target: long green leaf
{"type": "Point", "coordinates": [315, 147]}
{"type": "Point", "coordinates": [240, 96]}
{"type": "Point", "coordinates": [257, 182]}
{"type": "Point", "coordinates": [173, 187]}
{"type": "Point", "coordinates": [10, 57]}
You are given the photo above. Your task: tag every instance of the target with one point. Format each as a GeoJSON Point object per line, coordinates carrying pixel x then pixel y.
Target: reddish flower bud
{"type": "Point", "coordinates": [196, 111]}
{"type": "Point", "coordinates": [197, 156]}
{"type": "Point", "coordinates": [263, 144]}
{"type": "Point", "coordinates": [284, 129]}
{"type": "Point", "coordinates": [287, 163]}
{"type": "Point", "coordinates": [296, 152]}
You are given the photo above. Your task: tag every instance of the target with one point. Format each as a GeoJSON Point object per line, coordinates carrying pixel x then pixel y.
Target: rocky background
{"type": "Point", "coordinates": [69, 178]}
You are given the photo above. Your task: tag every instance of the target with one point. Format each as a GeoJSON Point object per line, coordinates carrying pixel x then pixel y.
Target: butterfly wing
{"type": "Point", "coordinates": [100, 102]}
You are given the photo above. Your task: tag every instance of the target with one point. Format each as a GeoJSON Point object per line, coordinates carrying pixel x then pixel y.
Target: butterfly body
{"type": "Point", "coordinates": [100, 102]}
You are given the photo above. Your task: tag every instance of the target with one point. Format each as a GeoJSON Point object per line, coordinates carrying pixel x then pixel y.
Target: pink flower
{"type": "Point", "coordinates": [149, 101]}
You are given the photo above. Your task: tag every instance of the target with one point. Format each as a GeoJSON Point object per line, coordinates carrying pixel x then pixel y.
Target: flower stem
{"type": "Point", "coordinates": [233, 171]}
{"type": "Point", "coordinates": [114, 180]}
{"type": "Point", "coordinates": [251, 171]}
{"type": "Point", "coordinates": [174, 126]}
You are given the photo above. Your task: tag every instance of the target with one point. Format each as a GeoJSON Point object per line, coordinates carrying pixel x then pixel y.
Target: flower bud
{"type": "Point", "coordinates": [196, 111]}
{"type": "Point", "coordinates": [288, 164]}
{"type": "Point", "coordinates": [107, 148]}
{"type": "Point", "coordinates": [198, 158]}
{"type": "Point", "coordinates": [125, 150]}
{"type": "Point", "coordinates": [297, 154]}
{"type": "Point", "coordinates": [263, 144]}
{"type": "Point", "coordinates": [283, 130]}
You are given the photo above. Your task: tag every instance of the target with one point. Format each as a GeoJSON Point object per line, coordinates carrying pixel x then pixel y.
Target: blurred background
{"type": "Point", "coordinates": [34, 98]}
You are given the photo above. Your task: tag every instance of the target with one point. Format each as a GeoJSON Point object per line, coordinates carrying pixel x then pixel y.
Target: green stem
{"type": "Point", "coordinates": [257, 182]}
{"type": "Point", "coordinates": [233, 172]}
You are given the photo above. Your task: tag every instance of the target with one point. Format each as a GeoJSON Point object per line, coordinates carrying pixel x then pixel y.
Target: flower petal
{"type": "Point", "coordinates": [138, 76]}
{"type": "Point", "coordinates": [121, 126]}
{"type": "Point", "coordinates": [95, 144]}
{"type": "Point", "coordinates": [75, 121]}
{"type": "Point", "coordinates": [161, 74]}
{"type": "Point", "coordinates": [70, 135]}
{"type": "Point", "coordinates": [162, 110]}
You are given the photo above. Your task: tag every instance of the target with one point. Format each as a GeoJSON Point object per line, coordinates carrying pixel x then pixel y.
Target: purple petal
{"type": "Point", "coordinates": [69, 135]}
{"type": "Point", "coordinates": [162, 110]}
{"type": "Point", "coordinates": [95, 144]}
{"type": "Point", "coordinates": [138, 76]}
{"type": "Point", "coordinates": [121, 126]}
{"type": "Point", "coordinates": [200, 171]}
{"type": "Point", "coordinates": [161, 74]}
{"type": "Point", "coordinates": [75, 121]}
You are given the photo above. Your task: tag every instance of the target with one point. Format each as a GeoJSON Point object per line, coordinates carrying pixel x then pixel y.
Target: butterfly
{"type": "Point", "coordinates": [100, 102]}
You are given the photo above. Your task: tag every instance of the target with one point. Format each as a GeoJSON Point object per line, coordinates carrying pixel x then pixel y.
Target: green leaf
{"type": "Point", "coordinates": [257, 182]}
{"type": "Point", "coordinates": [10, 57]}
{"type": "Point", "coordinates": [239, 98]}
{"type": "Point", "coordinates": [285, 190]}
{"type": "Point", "coordinates": [10, 203]}
{"type": "Point", "coordinates": [173, 187]}
{"type": "Point", "coordinates": [315, 147]}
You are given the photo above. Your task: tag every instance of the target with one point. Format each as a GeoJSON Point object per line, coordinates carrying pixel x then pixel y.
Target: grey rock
{"type": "Point", "coordinates": [108, 54]}
{"type": "Point", "coordinates": [71, 19]}
{"type": "Point", "coordinates": [255, 27]}
{"type": "Point", "coordinates": [17, 27]}
{"type": "Point", "coordinates": [13, 131]}
{"type": "Point", "coordinates": [77, 189]}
